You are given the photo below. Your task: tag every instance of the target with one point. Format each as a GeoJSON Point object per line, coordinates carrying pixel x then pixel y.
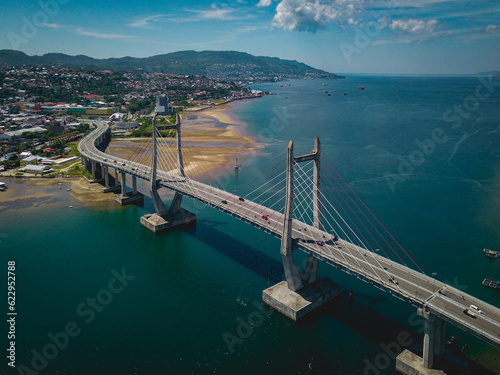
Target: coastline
{"type": "Point", "coordinates": [213, 139]}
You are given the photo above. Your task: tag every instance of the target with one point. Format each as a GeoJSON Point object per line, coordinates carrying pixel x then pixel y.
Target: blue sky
{"type": "Point", "coordinates": [340, 36]}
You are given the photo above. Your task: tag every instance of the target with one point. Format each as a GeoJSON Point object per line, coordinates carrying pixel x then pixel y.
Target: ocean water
{"type": "Point", "coordinates": [181, 301]}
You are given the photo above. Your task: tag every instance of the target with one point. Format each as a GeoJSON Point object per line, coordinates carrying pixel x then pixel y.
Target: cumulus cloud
{"type": "Point", "coordinates": [312, 15]}
{"type": "Point", "coordinates": [414, 26]}
{"type": "Point", "coordinates": [492, 29]}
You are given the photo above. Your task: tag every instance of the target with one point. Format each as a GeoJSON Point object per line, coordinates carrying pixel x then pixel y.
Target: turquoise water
{"type": "Point", "coordinates": [183, 310]}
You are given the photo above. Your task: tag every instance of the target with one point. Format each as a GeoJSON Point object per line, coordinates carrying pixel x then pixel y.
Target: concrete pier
{"type": "Point", "coordinates": [128, 198]}
{"type": "Point", "coordinates": [179, 220]}
{"type": "Point", "coordinates": [296, 304]}
{"type": "Point", "coordinates": [408, 363]}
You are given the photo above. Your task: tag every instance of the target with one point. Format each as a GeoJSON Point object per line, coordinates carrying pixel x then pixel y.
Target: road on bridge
{"type": "Point", "coordinates": [404, 283]}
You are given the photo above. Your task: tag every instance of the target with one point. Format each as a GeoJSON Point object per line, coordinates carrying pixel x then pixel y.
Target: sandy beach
{"type": "Point", "coordinates": [212, 140]}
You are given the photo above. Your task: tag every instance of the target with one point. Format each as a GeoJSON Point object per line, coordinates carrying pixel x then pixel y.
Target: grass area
{"type": "Point", "coordinates": [74, 149]}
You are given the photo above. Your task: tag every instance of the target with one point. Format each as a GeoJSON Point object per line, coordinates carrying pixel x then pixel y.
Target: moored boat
{"type": "Point", "coordinates": [492, 253]}
{"type": "Point", "coordinates": [491, 283]}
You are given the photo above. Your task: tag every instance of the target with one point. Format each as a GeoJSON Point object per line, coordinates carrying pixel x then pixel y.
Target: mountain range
{"type": "Point", "coordinates": [224, 65]}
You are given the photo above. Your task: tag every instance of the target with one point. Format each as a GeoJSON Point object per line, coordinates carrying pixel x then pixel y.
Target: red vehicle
{"type": "Point", "coordinates": [264, 217]}
{"type": "Point", "coordinates": [319, 243]}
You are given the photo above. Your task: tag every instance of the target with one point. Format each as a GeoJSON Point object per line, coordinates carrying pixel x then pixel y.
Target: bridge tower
{"type": "Point", "coordinates": [175, 217]}
{"type": "Point", "coordinates": [301, 292]}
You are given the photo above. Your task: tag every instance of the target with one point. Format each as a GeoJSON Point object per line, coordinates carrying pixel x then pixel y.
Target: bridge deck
{"type": "Point", "coordinates": [404, 283]}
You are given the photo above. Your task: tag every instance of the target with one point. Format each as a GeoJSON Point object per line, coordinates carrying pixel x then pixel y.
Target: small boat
{"type": "Point", "coordinates": [71, 207]}
{"type": "Point", "coordinates": [237, 166]}
{"type": "Point", "coordinates": [345, 93]}
{"type": "Point", "coordinates": [360, 87]}
{"type": "Point", "coordinates": [281, 85]}
{"type": "Point", "coordinates": [326, 92]}
{"type": "Point", "coordinates": [491, 283]}
{"type": "Point", "coordinates": [492, 253]}
{"type": "Point", "coordinates": [325, 84]}
{"type": "Point", "coordinates": [329, 94]}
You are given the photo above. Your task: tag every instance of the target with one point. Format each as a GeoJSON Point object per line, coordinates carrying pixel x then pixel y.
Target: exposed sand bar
{"type": "Point", "coordinates": [211, 139]}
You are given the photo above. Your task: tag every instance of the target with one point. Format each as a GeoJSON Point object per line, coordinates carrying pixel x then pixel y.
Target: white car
{"type": "Point", "coordinates": [475, 309]}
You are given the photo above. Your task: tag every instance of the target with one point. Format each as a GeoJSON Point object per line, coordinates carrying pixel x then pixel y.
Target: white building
{"type": "Point", "coordinates": [126, 125]}
{"type": "Point", "coordinates": [36, 169]}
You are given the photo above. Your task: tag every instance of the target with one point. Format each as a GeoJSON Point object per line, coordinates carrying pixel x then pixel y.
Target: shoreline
{"type": "Point", "coordinates": [214, 139]}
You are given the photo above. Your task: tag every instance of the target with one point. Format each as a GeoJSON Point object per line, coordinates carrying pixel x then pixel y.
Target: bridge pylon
{"type": "Point", "coordinates": [300, 292]}
{"type": "Point", "coordinates": [175, 217]}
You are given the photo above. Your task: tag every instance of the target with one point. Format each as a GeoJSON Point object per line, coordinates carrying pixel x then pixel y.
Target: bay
{"type": "Point", "coordinates": [192, 290]}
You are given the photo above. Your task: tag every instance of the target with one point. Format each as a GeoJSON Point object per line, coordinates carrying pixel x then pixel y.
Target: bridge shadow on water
{"type": "Point", "coordinates": [246, 255]}
{"type": "Point", "coordinates": [357, 312]}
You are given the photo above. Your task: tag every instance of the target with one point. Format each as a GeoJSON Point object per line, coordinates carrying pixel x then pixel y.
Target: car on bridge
{"type": "Point", "coordinates": [470, 313]}
{"type": "Point", "coordinates": [475, 309]}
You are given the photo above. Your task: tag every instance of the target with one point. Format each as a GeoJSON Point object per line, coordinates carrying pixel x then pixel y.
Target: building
{"type": "Point", "coordinates": [163, 106]}
{"type": "Point", "coordinates": [126, 125]}
{"type": "Point", "coordinates": [36, 169]}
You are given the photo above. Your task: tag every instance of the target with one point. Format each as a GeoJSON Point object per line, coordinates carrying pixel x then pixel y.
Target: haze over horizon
{"type": "Point", "coordinates": [339, 36]}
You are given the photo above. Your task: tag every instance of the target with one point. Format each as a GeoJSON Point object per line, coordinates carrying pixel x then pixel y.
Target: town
{"type": "Point", "coordinates": [44, 108]}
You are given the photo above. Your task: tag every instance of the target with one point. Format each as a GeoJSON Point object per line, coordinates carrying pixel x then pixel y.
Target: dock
{"type": "Point", "coordinates": [491, 283]}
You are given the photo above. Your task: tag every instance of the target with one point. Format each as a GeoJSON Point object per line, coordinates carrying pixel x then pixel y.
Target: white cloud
{"type": "Point", "coordinates": [53, 25]}
{"type": "Point", "coordinates": [492, 29]}
{"type": "Point", "coordinates": [214, 13]}
{"type": "Point", "coordinates": [312, 15]}
{"type": "Point", "coordinates": [414, 26]}
{"type": "Point", "coordinates": [264, 3]}
{"type": "Point", "coordinates": [145, 23]}
{"type": "Point", "coordinates": [98, 35]}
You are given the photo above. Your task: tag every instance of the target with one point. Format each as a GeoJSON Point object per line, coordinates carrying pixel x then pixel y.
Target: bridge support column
{"type": "Point", "coordinates": [93, 166]}
{"type": "Point", "coordinates": [310, 273]}
{"type": "Point", "coordinates": [128, 198]}
{"type": "Point", "coordinates": [409, 363]}
{"type": "Point", "coordinates": [108, 179]}
{"type": "Point", "coordinates": [105, 171]}
{"type": "Point", "coordinates": [175, 217]}
{"type": "Point", "coordinates": [299, 294]}
{"type": "Point", "coordinates": [440, 337]}
{"type": "Point", "coordinates": [429, 332]}
{"type": "Point", "coordinates": [134, 185]}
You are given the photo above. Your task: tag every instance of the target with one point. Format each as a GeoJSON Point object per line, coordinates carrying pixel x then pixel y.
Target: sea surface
{"type": "Point", "coordinates": [130, 302]}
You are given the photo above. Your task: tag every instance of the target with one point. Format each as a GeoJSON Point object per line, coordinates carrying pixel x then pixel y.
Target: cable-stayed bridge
{"type": "Point", "coordinates": [304, 202]}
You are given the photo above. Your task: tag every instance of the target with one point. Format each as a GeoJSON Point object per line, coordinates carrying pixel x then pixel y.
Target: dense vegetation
{"type": "Point", "coordinates": [229, 65]}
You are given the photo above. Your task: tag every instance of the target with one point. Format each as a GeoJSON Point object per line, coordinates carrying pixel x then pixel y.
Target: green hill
{"type": "Point", "coordinates": [225, 65]}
